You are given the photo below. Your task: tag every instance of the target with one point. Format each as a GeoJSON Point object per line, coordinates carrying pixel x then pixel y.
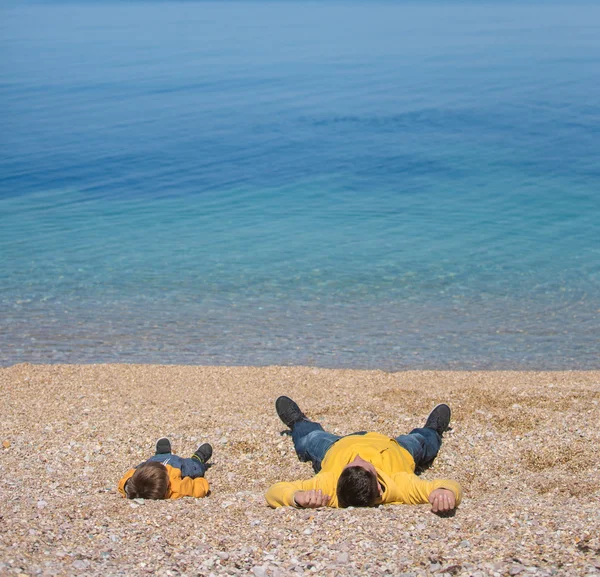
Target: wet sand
{"type": "Point", "coordinates": [524, 445]}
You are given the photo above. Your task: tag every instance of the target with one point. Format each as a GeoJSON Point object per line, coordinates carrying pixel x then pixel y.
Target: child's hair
{"type": "Point", "coordinates": [357, 487]}
{"type": "Point", "coordinates": [150, 481]}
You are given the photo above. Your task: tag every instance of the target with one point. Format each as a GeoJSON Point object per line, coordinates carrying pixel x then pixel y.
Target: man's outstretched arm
{"type": "Point", "coordinates": [442, 500]}
{"type": "Point", "coordinates": [311, 493]}
{"type": "Point", "coordinates": [443, 494]}
{"type": "Point", "coordinates": [312, 499]}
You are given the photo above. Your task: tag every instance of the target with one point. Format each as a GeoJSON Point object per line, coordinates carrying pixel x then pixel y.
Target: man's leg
{"type": "Point", "coordinates": [312, 442]}
{"type": "Point", "coordinates": [424, 443]}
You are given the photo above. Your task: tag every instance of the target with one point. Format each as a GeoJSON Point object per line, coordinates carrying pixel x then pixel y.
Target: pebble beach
{"type": "Point", "coordinates": [524, 446]}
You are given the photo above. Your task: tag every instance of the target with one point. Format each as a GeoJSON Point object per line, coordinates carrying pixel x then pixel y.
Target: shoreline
{"type": "Point", "coordinates": [524, 445]}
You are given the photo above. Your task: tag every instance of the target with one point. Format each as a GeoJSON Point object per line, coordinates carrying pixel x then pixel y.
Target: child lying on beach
{"type": "Point", "coordinates": [167, 476]}
{"type": "Point", "coordinates": [364, 469]}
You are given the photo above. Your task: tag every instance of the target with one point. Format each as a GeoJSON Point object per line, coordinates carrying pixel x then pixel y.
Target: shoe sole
{"type": "Point", "coordinates": [449, 416]}
{"type": "Point", "coordinates": [279, 412]}
{"type": "Point", "coordinates": [167, 445]}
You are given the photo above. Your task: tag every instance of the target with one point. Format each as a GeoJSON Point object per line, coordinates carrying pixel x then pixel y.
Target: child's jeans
{"type": "Point", "coordinates": [189, 467]}
{"type": "Point", "coordinates": [312, 442]}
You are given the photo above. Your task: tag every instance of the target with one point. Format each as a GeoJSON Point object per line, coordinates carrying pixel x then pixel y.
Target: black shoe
{"type": "Point", "coordinates": [163, 446]}
{"type": "Point", "coordinates": [288, 411]}
{"type": "Point", "coordinates": [439, 418]}
{"type": "Point", "coordinates": [203, 453]}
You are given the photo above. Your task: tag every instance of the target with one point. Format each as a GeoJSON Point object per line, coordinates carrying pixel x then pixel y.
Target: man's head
{"type": "Point", "coordinates": [358, 485]}
{"type": "Point", "coordinates": [150, 481]}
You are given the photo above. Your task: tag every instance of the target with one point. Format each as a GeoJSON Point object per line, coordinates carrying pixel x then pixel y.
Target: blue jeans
{"type": "Point", "coordinates": [189, 467]}
{"type": "Point", "coordinates": [312, 442]}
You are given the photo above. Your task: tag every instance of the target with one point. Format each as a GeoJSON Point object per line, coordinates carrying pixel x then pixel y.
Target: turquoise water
{"type": "Point", "coordinates": [362, 185]}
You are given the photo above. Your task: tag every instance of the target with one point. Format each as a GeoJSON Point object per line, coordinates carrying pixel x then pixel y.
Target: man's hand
{"type": "Point", "coordinates": [442, 500]}
{"type": "Point", "coordinates": [311, 499]}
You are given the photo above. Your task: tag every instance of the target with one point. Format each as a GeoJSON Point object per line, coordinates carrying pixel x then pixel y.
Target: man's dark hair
{"type": "Point", "coordinates": [357, 487]}
{"type": "Point", "coordinates": [150, 481]}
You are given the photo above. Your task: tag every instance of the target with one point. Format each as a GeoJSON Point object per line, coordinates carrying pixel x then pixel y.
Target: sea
{"type": "Point", "coordinates": [346, 184]}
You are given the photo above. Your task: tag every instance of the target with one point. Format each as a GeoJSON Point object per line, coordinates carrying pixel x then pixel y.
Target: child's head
{"type": "Point", "coordinates": [150, 481]}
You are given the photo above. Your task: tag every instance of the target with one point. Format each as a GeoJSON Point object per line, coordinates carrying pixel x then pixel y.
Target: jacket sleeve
{"type": "Point", "coordinates": [282, 494]}
{"type": "Point", "coordinates": [188, 487]}
{"type": "Point", "coordinates": [410, 489]}
{"type": "Point", "coordinates": [124, 480]}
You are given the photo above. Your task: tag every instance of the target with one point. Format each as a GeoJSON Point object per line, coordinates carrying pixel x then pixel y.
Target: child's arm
{"type": "Point", "coordinates": [185, 486]}
{"type": "Point", "coordinates": [124, 480]}
{"type": "Point", "coordinates": [189, 487]}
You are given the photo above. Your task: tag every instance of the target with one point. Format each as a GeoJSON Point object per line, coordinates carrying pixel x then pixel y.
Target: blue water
{"type": "Point", "coordinates": [362, 185]}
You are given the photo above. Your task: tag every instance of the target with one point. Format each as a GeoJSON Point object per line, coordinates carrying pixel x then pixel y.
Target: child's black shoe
{"type": "Point", "coordinates": [163, 446]}
{"type": "Point", "coordinates": [203, 453]}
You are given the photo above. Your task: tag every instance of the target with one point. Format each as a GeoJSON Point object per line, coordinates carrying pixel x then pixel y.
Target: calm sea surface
{"type": "Point", "coordinates": [363, 185]}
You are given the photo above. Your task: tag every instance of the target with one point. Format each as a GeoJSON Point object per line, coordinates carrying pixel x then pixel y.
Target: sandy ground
{"type": "Point", "coordinates": [525, 447]}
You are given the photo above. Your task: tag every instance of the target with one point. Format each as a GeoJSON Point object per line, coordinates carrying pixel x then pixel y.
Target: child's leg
{"type": "Point", "coordinates": [312, 442]}
{"type": "Point", "coordinates": [192, 468]}
{"type": "Point", "coordinates": [423, 444]}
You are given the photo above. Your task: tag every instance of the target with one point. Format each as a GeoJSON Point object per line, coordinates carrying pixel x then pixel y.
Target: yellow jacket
{"type": "Point", "coordinates": [395, 471]}
{"type": "Point", "coordinates": [178, 486]}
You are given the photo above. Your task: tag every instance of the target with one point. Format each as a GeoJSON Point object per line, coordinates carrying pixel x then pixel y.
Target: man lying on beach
{"type": "Point", "coordinates": [167, 476]}
{"type": "Point", "coordinates": [364, 469]}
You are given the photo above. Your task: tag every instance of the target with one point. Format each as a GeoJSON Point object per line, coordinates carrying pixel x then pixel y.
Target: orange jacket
{"type": "Point", "coordinates": [178, 486]}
